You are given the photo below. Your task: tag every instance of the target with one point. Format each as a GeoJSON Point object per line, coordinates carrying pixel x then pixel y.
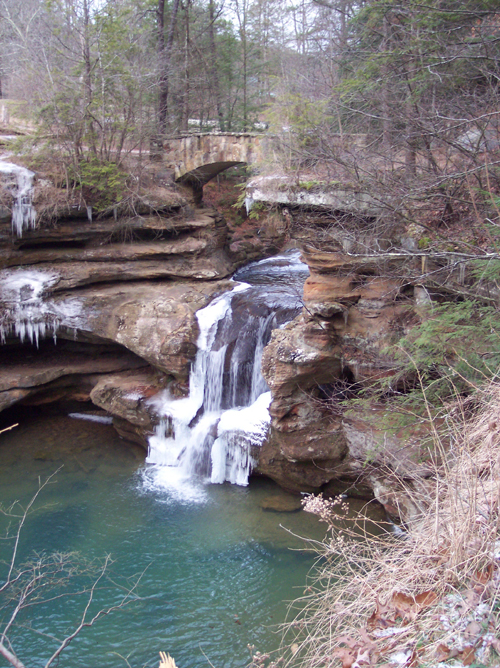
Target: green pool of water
{"type": "Point", "coordinates": [217, 570]}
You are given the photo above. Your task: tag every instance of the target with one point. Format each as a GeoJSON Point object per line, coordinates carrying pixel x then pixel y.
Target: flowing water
{"type": "Point", "coordinates": [209, 435]}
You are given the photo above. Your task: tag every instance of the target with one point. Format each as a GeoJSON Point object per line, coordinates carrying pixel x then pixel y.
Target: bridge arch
{"type": "Point", "coordinates": [198, 158]}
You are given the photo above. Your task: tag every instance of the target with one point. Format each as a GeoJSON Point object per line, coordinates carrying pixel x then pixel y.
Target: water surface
{"type": "Point", "coordinates": [218, 570]}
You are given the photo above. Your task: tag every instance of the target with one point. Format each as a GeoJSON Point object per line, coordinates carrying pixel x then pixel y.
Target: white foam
{"type": "Point", "coordinates": [174, 484]}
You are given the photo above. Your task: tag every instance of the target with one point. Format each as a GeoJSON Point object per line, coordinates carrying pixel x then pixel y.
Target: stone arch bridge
{"type": "Point", "coordinates": [198, 158]}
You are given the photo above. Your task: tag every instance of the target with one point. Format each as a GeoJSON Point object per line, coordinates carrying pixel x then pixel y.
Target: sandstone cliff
{"type": "Point", "coordinates": [118, 289]}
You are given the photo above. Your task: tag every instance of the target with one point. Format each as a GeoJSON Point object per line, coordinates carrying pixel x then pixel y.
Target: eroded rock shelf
{"type": "Point", "coordinates": [102, 310]}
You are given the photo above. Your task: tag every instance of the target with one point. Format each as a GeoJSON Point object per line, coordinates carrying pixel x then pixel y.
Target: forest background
{"type": "Point", "coordinates": [413, 79]}
{"type": "Point", "coordinates": [397, 98]}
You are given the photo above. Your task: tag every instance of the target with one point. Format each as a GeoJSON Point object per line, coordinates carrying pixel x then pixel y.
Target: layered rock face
{"type": "Point", "coordinates": [118, 294]}
{"type": "Point", "coordinates": [349, 317]}
{"type": "Point", "coordinates": [357, 305]}
{"type": "Point", "coordinates": [102, 308]}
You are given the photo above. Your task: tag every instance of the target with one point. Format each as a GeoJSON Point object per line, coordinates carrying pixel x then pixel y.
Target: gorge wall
{"type": "Point", "coordinates": [119, 290]}
{"type": "Point", "coordinates": [99, 307]}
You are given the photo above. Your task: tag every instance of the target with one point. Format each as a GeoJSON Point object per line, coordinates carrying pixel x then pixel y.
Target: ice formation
{"type": "Point", "coordinates": [21, 186]}
{"type": "Point", "coordinates": [210, 433]}
{"type": "Point", "coordinates": [26, 311]}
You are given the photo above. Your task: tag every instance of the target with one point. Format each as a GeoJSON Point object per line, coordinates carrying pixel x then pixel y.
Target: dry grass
{"type": "Point", "coordinates": [428, 596]}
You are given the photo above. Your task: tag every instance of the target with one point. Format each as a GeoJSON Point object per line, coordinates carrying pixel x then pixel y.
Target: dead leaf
{"type": "Point", "coordinates": [483, 577]}
{"type": "Point", "coordinates": [473, 630]}
{"type": "Point", "coordinates": [426, 599]}
{"type": "Point", "coordinates": [468, 656]}
{"type": "Point", "coordinates": [363, 658]}
{"type": "Point", "coordinates": [347, 640]}
{"type": "Point", "coordinates": [495, 643]}
{"type": "Point", "coordinates": [380, 618]}
{"type": "Point", "coordinates": [367, 640]}
{"type": "Point", "coordinates": [345, 656]}
{"type": "Point", "coordinates": [442, 653]}
{"type": "Point", "coordinates": [473, 598]}
{"type": "Point", "coordinates": [408, 607]}
{"type": "Point", "coordinates": [402, 601]}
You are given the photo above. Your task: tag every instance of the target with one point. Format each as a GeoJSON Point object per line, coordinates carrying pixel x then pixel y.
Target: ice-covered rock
{"type": "Point", "coordinates": [26, 311]}
{"type": "Point", "coordinates": [20, 184]}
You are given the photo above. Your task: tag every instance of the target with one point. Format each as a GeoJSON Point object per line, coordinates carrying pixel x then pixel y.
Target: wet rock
{"type": "Point", "coordinates": [319, 361]}
{"type": "Point", "coordinates": [305, 443]}
{"type": "Point", "coordinates": [156, 321]}
{"type": "Point", "coordinates": [280, 503]}
{"type": "Point", "coordinates": [125, 396]}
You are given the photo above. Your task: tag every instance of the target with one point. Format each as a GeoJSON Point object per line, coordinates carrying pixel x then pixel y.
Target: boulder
{"type": "Point", "coordinates": [156, 321]}
{"type": "Point", "coordinates": [124, 396]}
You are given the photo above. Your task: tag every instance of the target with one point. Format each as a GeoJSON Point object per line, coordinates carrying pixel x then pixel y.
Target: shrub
{"type": "Point", "coordinates": [422, 596]}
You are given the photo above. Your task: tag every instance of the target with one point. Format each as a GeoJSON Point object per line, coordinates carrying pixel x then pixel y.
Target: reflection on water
{"type": "Point", "coordinates": [218, 573]}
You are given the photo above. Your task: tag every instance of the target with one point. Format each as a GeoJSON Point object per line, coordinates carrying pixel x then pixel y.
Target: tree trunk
{"type": "Point", "coordinates": [214, 66]}
{"type": "Point", "coordinates": [386, 123]}
{"type": "Point", "coordinates": [163, 82]}
{"type": "Point", "coordinates": [187, 82]}
{"type": "Point", "coordinates": [89, 121]}
{"type": "Point", "coordinates": [164, 52]}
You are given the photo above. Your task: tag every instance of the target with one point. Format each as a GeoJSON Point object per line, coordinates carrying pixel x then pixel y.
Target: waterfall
{"type": "Point", "coordinates": [21, 187]}
{"type": "Point", "coordinates": [209, 435]}
{"type": "Point", "coordinates": [190, 428]}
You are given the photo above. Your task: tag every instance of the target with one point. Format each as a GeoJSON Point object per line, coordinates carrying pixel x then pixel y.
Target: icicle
{"type": "Point", "coordinates": [238, 430]}
{"type": "Point", "coordinates": [26, 311]}
{"type": "Point", "coordinates": [23, 212]}
{"type": "Point", "coordinates": [89, 213]}
{"type": "Point", "coordinates": [248, 204]}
